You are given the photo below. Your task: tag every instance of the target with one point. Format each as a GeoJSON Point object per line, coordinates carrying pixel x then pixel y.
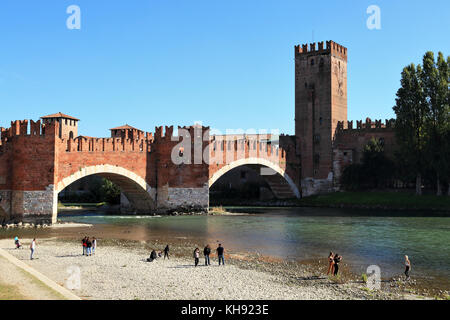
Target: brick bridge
{"type": "Point", "coordinates": [157, 172]}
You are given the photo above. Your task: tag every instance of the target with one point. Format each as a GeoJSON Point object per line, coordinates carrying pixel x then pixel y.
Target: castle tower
{"type": "Point", "coordinates": [320, 102]}
{"type": "Point", "coordinates": [68, 126]}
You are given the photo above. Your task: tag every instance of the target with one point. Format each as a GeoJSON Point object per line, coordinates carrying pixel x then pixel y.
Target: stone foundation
{"type": "Point", "coordinates": [311, 186]}
{"type": "Point", "coordinates": [183, 199]}
{"type": "Point", "coordinates": [34, 206]}
{"type": "Point", "coordinates": [5, 206]}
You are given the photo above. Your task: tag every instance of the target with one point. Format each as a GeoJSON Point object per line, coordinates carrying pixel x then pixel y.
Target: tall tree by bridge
{"type": "Point", "coordinates": [423, 121]}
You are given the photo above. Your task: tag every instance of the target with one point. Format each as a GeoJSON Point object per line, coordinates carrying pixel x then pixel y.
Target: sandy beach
{"type": "Point", "coordinates": [122, 272]}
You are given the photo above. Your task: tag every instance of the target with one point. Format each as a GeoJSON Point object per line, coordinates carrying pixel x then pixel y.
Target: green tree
{"type": "Point", "coordinates": [410, 126]}
{"type": "Point", "coordinates": [435, 77]}
{"type": "Point", "coordinates": [110, 192]}
{"type": "Point", "coordinates": [375, 170]}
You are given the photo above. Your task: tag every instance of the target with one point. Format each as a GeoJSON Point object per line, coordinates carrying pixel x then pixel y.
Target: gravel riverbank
{"type": "Point", "coordinates": [120, 271]}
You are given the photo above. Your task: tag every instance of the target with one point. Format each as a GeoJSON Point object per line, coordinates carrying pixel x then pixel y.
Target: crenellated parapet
{"type": "Point", "coordinates": [330, 48]}
{"type": "Point", "coordinates": [27, 128]}
{"type": "Point", "coordinates": [89, 144]}
{"type": "Point", "coordinates": [368, 124]}
{"type": "Point", "coordinates": [226, 148]}
{"type": "Point", "coordinates": [166, 133]}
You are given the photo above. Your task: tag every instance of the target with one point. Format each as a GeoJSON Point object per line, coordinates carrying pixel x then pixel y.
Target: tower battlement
{"type": "Point", "coordinates": [330, 47]}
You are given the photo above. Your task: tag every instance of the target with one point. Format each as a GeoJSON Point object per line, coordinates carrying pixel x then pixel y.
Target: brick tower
{"type": "Point", "coordinates": [320, 103]}
{"type": "Point", "coordinates": [68, 126]}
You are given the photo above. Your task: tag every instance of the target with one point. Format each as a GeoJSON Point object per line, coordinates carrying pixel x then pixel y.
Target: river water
{"type": "Point", "coordinates": [362, 237]}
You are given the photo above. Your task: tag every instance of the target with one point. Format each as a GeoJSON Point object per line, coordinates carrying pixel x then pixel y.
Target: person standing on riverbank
{"type": "Point", "coordinates": [407, 268]}
{"type": "Point", "coordinates": [220, 250]}
{"type": "Point", "coordinates": [88, 247]}
{"type": "Point", "coordinates": [206, 253]}
{"type": "Point", "coordinates": [166, 252]}
{"type": "Point", "coordinates": [94, 245]}
{"type": "Point", "coordinates": [83, 243]}
{"type": "Point", "coordinates": [32, 248]}
{"type": "Point", "coordinates": [330, 263]}
{"type": "Point", "coordinates": [337, 259]}
{"type": "Point", "coordinates": [196, 256]}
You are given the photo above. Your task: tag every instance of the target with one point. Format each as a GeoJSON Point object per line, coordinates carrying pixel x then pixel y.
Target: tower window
{"type": "Point", "coordinates": [316, 158]}
{"type": "Point", "coordinates": [320, 120]}
{"type": "Point", "coordinates": [312, 62]}
{"type": "Point", "coordinates": [306, 85]}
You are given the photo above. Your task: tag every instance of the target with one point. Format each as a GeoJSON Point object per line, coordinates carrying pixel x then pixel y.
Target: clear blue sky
{"type": "Point", "coordinates": [227, 63]}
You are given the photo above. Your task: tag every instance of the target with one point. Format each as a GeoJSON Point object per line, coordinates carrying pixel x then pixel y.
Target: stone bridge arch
{"type": "Point", "coordinates": [141, 196]}
{"type": "Point", "coordinates": [279, 181]}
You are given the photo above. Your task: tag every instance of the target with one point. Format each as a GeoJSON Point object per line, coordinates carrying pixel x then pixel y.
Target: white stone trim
{"type": "Point", "coordinates": [250, 161]}
{"type": "Point", "coordinates": [105, 168]}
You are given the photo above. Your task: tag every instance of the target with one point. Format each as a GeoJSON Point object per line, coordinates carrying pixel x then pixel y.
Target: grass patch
{"type": "Point", "coordinates": [217, 210]}
{"type": "Point", "coordinates": [82, 205]}
{"type": "Point", "coordinates": [397, 200]}
{"type": "Point", "coordinates": [364, 277]}
{"type": "Point", "coordinates": [8, 292]}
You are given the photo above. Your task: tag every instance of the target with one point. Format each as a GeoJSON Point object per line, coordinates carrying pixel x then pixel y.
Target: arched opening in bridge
{"type": "Point", "coordinates": [129, 192]}
{"type": "Point", "coordinates": [249, 182]}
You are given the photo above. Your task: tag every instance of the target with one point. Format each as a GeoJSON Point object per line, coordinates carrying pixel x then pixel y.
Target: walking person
{"type": "Point", "coordinates": [337, 259]}
{"type": "Point", "coordinates": [166, 252]}
{"type": "Point", "coordinates": [88, 247]}
{"type": "Point", "coordinates": [407, 268]}
{"type": "Point", "coordinates": [220, 250]}
{"type": "Point", "coordinates": [83, 242]}
{"type": "Point", "coordinates": [206, 253]}
{"type": "Point", "coordinates": [196, 256]}
{"type": "Point", "coordinates": [32, 248]}
{"type": "Point", "coordinates": [330, 263]}
{"type": "Point", "coordinates": [94, 245]}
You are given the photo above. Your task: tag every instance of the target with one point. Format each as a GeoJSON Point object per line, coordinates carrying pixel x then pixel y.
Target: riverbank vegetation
{"type": "Point", "coordinates": [379, 199]}
{"type": "Point", "coordinates": [422, 131]}
{"type": "Point", "coordinates": [99, 192]}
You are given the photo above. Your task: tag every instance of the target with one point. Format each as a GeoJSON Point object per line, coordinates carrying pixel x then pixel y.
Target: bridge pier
{"type": "Point", "coordinates": [29, 206]}
{"type": "Point", "coordinates": [182, 199]}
